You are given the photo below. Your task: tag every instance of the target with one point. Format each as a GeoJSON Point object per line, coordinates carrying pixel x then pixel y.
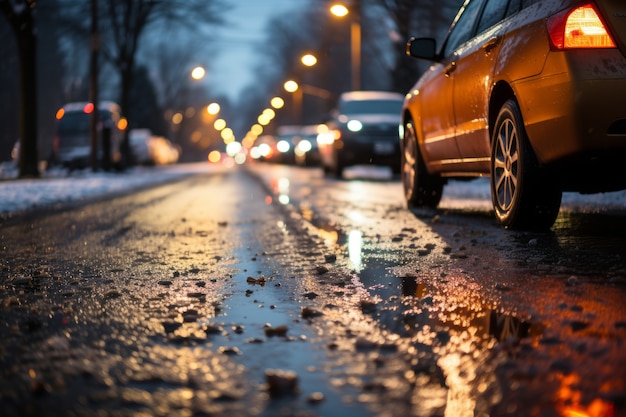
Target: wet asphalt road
{"type": "Point", "coordinates": [181, 299]}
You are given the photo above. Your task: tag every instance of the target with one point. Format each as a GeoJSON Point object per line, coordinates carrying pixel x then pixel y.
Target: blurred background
{"type": "Point", "coordinates": [199, 73]}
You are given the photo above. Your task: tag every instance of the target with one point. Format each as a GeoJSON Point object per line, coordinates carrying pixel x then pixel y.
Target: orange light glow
{"type": "Point", "coordinates": [277, 103]}
{"type": "Point", "coordinates": [60, 113]}
{"type": "Point", "coordinates": [291, 86]}
{"type": "Point", "coordinates": [339, 10]}
{"type": "Point", "coordinates": [571, 398]}
{"type": "Point", "coordinates": [213, 108]}
{"type": "Point", "coordinates": [309, 60]}
{"type": "Point", "coordinates": [215, 157]}
{"type": "Point", "coordinates": [122, 124]}
{"type": "Point", "coordinates": [579, 28]}
{"type": "Point", "coordinates": [584, 29]}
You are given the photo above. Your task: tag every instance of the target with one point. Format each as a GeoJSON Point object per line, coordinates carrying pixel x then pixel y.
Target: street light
{"type": "Point", "coordinates": [299, 90]}
{"type": "Point", "coordinates": [340, 10]}
{"type": "Point", "coordinates": [291, 86]}
{"type": "Point", "coordinates": [198, 73]}
{"type": "Point", "coordinates": [213, 109]}
{"type": "Point", "coordinates": [277, 103]}
{"type": "Point", "coordinates": [308, 60]}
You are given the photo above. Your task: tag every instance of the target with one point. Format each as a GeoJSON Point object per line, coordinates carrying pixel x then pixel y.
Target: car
{"type": "Point", "coordinates": [264, 149]}
{"type": "Point", "coordinates": [139, 140]}
{"type": "Point", "coordinates": [527, 92]}
{"type": "Point", "coordinates": [306, 148]}
{"type": "Point", "coordinates": [72, 143]}
{"type": "Point", "coordinates": [285, 144]}
{"type": "Point", "coordinates": [363, 130]}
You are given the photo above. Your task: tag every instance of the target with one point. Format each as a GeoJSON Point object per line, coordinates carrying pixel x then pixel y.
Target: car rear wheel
{"type": "Point", "coordinates": [421, 189]}
{"type": "Point", "coordinates": [522, 193]}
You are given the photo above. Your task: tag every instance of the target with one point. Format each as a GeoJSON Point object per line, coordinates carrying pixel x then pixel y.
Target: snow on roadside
{"type": "Point", "coordinates": [57, 186]}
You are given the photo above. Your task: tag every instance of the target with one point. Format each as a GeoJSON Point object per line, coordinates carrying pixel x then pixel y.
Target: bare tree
{"type": "Point", "coordinates": [416, 18]}
{"type": "Point", "coordinates": [20, 15]}
{"type": "Point", "coordinates": [124, 23]}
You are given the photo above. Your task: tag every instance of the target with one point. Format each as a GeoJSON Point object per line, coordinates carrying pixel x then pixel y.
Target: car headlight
{"type": "Point", "coordinates": [354, 126]}
{"type": "Point", "coordinates": [283, 146]}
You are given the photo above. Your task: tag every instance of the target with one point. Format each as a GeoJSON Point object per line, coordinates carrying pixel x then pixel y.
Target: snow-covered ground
{"type": "Point", "coordinates": [58, 187]}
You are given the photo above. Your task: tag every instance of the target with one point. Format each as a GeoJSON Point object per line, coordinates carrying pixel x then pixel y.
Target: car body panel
{"type": "Point", "coordinates": [572, 101]}
{"type": "Point", "coordinates": [614, 13]}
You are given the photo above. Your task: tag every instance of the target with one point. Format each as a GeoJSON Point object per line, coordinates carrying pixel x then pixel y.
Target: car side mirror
{"type": "Point", "coordinates": [423, 48]}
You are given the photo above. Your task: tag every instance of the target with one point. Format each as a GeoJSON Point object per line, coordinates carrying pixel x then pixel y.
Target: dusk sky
{"type": "Point", "coordinates": [238, 40]}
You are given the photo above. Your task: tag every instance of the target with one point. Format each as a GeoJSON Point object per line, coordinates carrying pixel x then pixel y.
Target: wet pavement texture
{"type": "Point", "coordinates": [275, 291]}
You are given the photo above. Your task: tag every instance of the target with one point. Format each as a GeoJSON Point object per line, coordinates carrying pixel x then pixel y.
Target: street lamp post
{"type": "Point", "coordinates": [340, 10]}
{"type": "Point", "coordinates": [293, 87]}
{"type": "Point", "coordinates": [298, 91]}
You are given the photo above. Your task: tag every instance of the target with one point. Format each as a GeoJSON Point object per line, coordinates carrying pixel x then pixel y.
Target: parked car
{"type": "Point", "coordinates": [363, 130]}
{"type": "Point", "coordinates": [285, 144]}
{"type": "Point", "coordinates": [72, 144]}
{"type": "Point", "coordinates": [528, 92]}
{"type": "Point", "coordinates": [139, 140]}
{"type": "Point", "coordinates": [264, 149]}
{"type": "Point", "coordinates": [306, 148]}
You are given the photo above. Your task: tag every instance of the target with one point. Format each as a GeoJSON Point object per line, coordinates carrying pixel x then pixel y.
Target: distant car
{"type": "Point", "coordinates": [72, 144]}
{"type": "Point", "coordinates": [364, 130]}
{"type": "Point", "coordinates": [527, 92]}
{"type": "Point", "coordinates": [286, 143]}
{"type": "Point", "coordinates": [306, 148]}
{"type": "Point", "coordinates": [139, 140]}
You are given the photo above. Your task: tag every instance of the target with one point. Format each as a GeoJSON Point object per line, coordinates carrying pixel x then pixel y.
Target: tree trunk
{"type": "Point", "coordinates": [24, 29]}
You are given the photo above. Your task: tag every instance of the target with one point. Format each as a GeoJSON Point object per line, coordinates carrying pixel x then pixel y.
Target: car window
{"type": "Point", "coordinates": [494, 12]}
{"type": "Point", "coordinates": [514, 7]}
{"type": "Point", "coordinates": [463, 28]}
{"type": "Point", "coordinates": [371, 107]}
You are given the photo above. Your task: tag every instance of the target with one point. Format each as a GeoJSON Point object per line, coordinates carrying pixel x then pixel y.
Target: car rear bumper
{"type": "Point", "coordinates": [569, 111]}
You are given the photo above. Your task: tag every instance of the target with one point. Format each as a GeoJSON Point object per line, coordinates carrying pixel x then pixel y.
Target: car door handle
{"type": "Point", "coordinates": [491, 43]}
{"type": "Point", "coordinates": [450, 69]}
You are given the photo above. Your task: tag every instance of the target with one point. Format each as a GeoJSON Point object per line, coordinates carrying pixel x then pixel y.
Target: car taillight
{"type": "Point", "coordinates": [579, 28]}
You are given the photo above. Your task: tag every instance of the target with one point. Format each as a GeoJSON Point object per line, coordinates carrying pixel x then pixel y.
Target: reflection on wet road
{"type": "Point", "coordinates": [499, 323]}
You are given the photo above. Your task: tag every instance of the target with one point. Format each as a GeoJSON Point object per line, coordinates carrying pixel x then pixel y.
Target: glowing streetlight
{"type": "Point", "coordinates": [291, 86]}
{"type": "Point", "coordinates": [219, 124]}
{"type": "Point", "coordinates": [308, 60]}
{"type": "Point", "coordinates": [340, 10]}
{"type": "Point", "coordinates": [277, 103]}
{"type": "Point", "coordinates": [269, 113]}
{"type": "Point", "coordinates": [198, 73]}
{"type": "Point", "coordinates": [213, 109]}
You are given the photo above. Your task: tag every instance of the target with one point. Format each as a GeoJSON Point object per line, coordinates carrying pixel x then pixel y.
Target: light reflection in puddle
{"type": "Point", "coordinates": [281, 188]}
{"type": "Point", "coordinates": [464, 331]}
{"type": "Point", "coordinates": [355, 245]}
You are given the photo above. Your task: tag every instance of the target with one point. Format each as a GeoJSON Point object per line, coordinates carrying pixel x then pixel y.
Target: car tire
{"type": "Point", "coordinates": [522, 193]}
{"type": "Point", "coordinates": [421, 189]}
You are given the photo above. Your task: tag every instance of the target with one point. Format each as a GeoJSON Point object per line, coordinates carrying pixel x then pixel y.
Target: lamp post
{"type": "Point", "coordinates": [298, 91]}
{"type": "Point", "coordinates": [340, 10]}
